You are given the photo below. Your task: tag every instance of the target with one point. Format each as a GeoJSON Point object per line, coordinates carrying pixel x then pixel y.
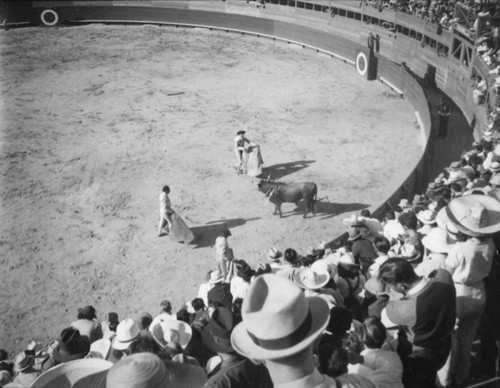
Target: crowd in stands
{"type": "Point", "coordinates": [396, 303]}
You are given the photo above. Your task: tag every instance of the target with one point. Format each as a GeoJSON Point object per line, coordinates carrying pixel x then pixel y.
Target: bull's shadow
{"type": "Point", "coordinates": [325, 209]}
{"type": "Point", "coordinates": [277, 171]}
{"type": "Point", "coordinates": [204, 236]}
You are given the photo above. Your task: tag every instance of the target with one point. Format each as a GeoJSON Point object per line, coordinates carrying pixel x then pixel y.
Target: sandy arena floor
{"type": "Point", "coordinates": [96, 119]}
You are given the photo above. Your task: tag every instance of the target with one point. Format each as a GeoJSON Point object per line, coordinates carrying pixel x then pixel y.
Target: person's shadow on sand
{"type": "Point", "coordinates": [204, 236]}
{"type": "Point", "coordinates": [277, 171]}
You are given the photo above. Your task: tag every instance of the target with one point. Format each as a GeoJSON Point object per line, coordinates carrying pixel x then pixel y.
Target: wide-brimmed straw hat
{"type": "Point", "coordinates": [87, 373]}
{"type": "Point", "coordinates": [23, 361]}
{"type": "Point", "coordinates": [354, 221]}
{"type": "Point", "coordinates": [217, 334]}
{"type": "Point", "coordinates": [216, 277]}
{"type": "Point", "coordinates": [354, 234]}
{"type": "Point", "coordinates": [72, 346]}
{"type": "Point", "coordinates": [126, 332]}
{"type": "Point", "coordinates": [278, 320]}
{"type": "Point", "coordinates": [474, 215]}
{"type": "Point", "coordinates": [312, 279]}
{"type": "Point", "coordinates": [140, 370]}
{"type": "Point", "coordinates": [436, 240]}
{"type": "Point", "coordinates": [494, 167]}
{"type": "Point", "coordinates": [274, 254]}
{"type": "Point", "coordinates": [172, 331]}
{"type": "Point", "coordinates": [426, 217]}
{"type": "Point", "coordinates": [410, 253]}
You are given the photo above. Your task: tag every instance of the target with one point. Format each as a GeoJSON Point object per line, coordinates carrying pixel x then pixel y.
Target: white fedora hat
{"type": "Point", "coordinates": [278, 320]}
{"type": "Point", "coordinates": [83, 373]}
{"type": "Point", "coordinates": [426, 217]}
{"type": "Point", "coordinates": [475, 214]}
{"type": "Point", "coordinates": [126, 332]}
{"type": "Point", "coordinates": [437, 241]}
{"type": "Point", "coordinates": [312, 279]}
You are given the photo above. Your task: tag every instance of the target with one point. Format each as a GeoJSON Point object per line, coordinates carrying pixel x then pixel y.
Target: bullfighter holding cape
{"type": "Point", "coordinates": [170, 222]}
{"type": "Point", "coordinates": [249, 157]}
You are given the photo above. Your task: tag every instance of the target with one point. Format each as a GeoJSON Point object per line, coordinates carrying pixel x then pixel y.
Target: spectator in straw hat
{"type": "Point", "coordinates": [469, 262]}
{"type": "Point", "coordinates": [281, 326]}
{"type": "Point", "coordinates": [315, 282]}
{"type": "Point", "coordinates": [428, 311]}
{"type": "Point", "coordinates": [88, 373]}
{"type": "Point", "coordinates": [437, 245]}
{"type": "Point", "coordinates": [427, 219]}
{"type": "Point", "coordinates": [126, 332]}
{"type": "Point", "coordinates": [274, 256]}
{"type": "Point", "coordinates": [148, 370]}
{"type": "Point", "coordinates": [24, 370]}
{"type": "Point", "coordinates": [87, 324]}
{"type": "Point", "coordinates": [231, 368]}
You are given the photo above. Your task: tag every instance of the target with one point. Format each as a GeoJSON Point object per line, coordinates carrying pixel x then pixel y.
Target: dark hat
{"type": "Point", "coordinates": [72, 346]}
{"type": "Point", "coordinates": [217, 335]}
{"type": "Point", "coordinates": [113, 318]}
{"type": "Point", "coordinates": [340, 321]}
{"type": "Point", "coordinates": [240, 132]}
{"type": "Point", "coordinates": [87, 312]}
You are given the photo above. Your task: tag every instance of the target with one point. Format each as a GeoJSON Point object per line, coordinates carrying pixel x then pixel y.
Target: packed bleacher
{"type": "Point", "coordinates": [398, 302]}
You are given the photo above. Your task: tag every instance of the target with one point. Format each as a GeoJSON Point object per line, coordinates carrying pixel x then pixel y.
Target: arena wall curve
{"type": "Point", "coordinates": [337, 28]}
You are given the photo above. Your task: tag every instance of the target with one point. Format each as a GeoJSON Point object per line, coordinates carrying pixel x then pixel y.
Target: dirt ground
{"type": "Point", "coordinates": [96, 119]}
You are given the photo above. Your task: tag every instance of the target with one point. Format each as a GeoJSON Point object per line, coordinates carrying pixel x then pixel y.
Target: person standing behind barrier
{"type": "Point", "coordinates": [165, 212]}
{"type": "Point", "coordinates": [239, 148]}
{"type": "Point", "coordinates": [444, 112]}
{"type": "Point", "coordinates": [224, 254]}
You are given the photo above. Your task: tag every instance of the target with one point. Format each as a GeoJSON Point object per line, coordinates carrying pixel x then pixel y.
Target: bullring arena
{"type": "Point", "coordinates": [97, 118]}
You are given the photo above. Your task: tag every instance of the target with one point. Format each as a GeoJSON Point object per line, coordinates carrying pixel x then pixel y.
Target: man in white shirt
{"type": "Point", "coordinates": [165, 212]}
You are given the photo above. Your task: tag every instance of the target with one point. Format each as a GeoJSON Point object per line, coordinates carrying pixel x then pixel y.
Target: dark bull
{"type": "Point", "coordinates": [278, 192]}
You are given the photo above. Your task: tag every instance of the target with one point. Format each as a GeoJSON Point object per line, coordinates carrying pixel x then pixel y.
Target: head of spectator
{"type": "Point", "coordinates": [23, 362]}
{"type": "Point", "coordinates": [373, 333]}
{"type": "Point", "coordinates": [143, 344]}
{"type": "Point", "coordinates": [89, 372]}
{"type": "Point", "coordinates": [184, 316]}
{"type": "Point", "coordinates": [165, 307]}
{"type": "Point", "coordinates": [474, 215]}
{"type": "Point", "coordinates": [291, 257]}
{"type": "Point", "coordinates": [382, 245]}
{"type": "Point", "coordinates": [244, 271]}
{"type": "Point", "coordinates": [340, 322]}
{"type": "Point", "coordinates": [147, 370]}
{"type": "Point", "coordinates": [389, 215]}
{"type": "Point", "coordinates": [172, 331]}
{"type": "Point", "coordinates": [217, 334]}
{"type": "Point", "coordinates": [408, 220]}
{"type": "Point", "coordinates": [398, 274]}
{"type": "Point", "coordinates": [3, 355]}
{"type": "Point", "coordinates": [225, 233]}
{"type": "Point", "coordinates": [274, 255]}
{"type": "Point", "coordinates": [236, 310]}
{"type": "Point", "coordinates": [5, 377]}
{"type": "Point", "coordinates": [144, 320]}
{"type": "Point", "coordinates": [198, 304]}
{"type": "Point", "coordinates": [280, 325]}
{"type": "Point", "coordinates": [113, 321]}
{"type": "Point", "coordinates": [332, 358]}
{"type": "Point", "coordinates": [87, 312]}
{"type": "Point", "coordinates": [365, 213]}
{"type": "Point", "coordinates": [126, 332]}
{"type": "Point", "coordinates": [312, 279]}
{"type": "Point", "coordinates": [72, 346]}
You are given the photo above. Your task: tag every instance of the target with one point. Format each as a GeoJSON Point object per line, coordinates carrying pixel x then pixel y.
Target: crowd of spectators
{"type": "Point", "coordinates": [398, 302]}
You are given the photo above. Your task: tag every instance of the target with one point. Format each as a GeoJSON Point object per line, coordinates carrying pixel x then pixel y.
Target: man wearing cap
{"type": "Point", "coordinates": [239, 147]}
{"type": "Point", "coordinates": [233, 370]}
{"type": "Point", "coordinates": [280, 327]}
